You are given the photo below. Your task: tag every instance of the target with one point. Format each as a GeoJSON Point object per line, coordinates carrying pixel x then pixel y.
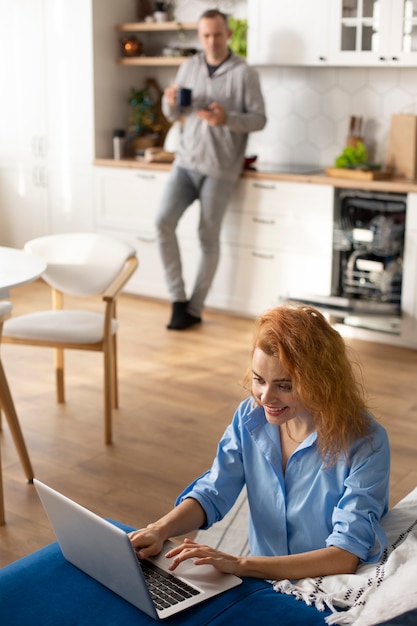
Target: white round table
{"type": "Point", "coordinates": [18, 267]}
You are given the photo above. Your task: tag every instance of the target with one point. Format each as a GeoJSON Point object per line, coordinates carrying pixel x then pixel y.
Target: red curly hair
{"type": "Point", "coordinates": [324, 378]}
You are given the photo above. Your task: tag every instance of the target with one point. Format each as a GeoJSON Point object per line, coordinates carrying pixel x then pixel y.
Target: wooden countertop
{"type": "Point", "coordinates": [396, 185]}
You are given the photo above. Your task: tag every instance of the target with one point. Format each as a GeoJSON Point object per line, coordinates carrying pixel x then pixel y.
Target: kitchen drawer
{"type": "Point", "coordinates": [249, 281]}
{"type": "Point", "coordinates": [126, 198]}
{"type": "Point", "coordinates": [288, 232]}
{"type": "Point", "coordinates": [130, 199]}
{"type": "Point", "coordinates": [270, 198]}
{"type": "Point", "coordinates": [244, 281]}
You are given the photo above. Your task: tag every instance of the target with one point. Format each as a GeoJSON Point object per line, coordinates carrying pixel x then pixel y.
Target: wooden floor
{"type": "Point", "coordinates": [178, 391]}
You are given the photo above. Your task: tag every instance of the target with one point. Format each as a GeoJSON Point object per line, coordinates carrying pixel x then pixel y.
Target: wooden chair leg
{"type": "Point", "coordinates": [59, 375]}
{"type": "Point", "coordinates": [6, 402]}
{"type": "Point", "coordinates": [115, 384]}
{"type": "Point", "coordinates": [108, 392]}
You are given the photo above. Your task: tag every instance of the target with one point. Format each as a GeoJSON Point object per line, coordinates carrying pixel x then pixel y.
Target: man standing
{"type": "Point", "coordinates": [227, 105]}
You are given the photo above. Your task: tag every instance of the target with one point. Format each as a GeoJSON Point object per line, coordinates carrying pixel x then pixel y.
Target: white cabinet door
{"type": "Point", "coordinates": [69, 114]}
{"type": "Point", "coordinates": [409, 284]}
{"type": "Point", "coordinates": [23, 197]}
{"type": "Point", "coordinates": [22, 73]}
{"type": "Point", "coordinates": [283, 32]}
{"type": "Point", "coordinates": [403, 44]}
{"type": "Point", "coordinates": [46, 121]}
{"type": "Point", "coordinates": [373, 32]}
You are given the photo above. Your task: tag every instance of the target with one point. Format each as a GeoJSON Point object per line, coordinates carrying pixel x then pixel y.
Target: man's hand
{"type": "Point", "coordinates": [215, 115]}
{"type": "Point", "coordinates": [170, 94]}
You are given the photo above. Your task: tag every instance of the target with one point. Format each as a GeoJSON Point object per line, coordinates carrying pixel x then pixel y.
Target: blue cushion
{"type": "Point", "coordinates": [43, 589]}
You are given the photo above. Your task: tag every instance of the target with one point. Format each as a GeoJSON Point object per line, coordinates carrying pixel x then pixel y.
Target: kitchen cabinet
{"type": "Point", "coordinates": [46, 127]}
{"type": "Point", "coordinates": [288, 33]}
{"type": "Point", "coordinates": [126, 204]}
{"type": "Point", "coordinates": [155, 36]}
{"type": "Point", "coordinates": [276, 238]}
{"type": "Point", "coordinates": [373, 32]}
{"type": "Point", "coordinates": [276, 241]}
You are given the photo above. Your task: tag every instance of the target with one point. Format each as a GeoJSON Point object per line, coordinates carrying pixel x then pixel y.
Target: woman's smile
{"type": "Point", "coordinates": [274, 411]}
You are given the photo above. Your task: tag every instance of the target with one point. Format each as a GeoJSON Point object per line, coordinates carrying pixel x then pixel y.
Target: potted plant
{"type": "Point", "coordinates": [239, 36]}
{"type": "Point", "coordinates": [144, 118]}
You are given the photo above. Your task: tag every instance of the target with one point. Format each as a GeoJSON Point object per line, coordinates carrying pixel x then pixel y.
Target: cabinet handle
{"type": "Point", "coordinates": [43, 146]}
{"type": "Point", "coordinates": [43, 177]}
{"type": "Point", "coordinates": [35, 176]}
{"type": "Point", "coordinates": [395, 59]}
{"type": "Point", "coordinates": [36, 152]}
{"type": "Point", "coordinates": [382, 58]}
{"type": "Point", "coordinates": [322, 58]}
{"type": "Point", "coordinates": [146, 239]}
{"type": "Point", "coordinates": [262, 255]}
{"type": "Point", "coordinates": [263, 186]}
{"type": "Point", "coordinates": [146, 176]}
{"type": "Point", "coordinates": [260, 220]}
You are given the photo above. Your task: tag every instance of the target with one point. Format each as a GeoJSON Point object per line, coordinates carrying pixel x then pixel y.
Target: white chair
{"type": "Point", "coordinates": [81, 265]}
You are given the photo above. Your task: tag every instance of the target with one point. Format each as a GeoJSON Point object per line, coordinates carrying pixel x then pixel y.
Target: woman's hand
{"type": "Point", "coordinates": [146, 541]}
{"type": "Point", "coordinates": [203, 555]}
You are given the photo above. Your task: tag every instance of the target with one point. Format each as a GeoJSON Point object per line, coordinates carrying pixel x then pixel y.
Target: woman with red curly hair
{"type": "Point", "coordinates": [314, 461]}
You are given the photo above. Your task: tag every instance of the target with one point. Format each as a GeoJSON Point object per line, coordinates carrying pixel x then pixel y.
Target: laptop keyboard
{"type": "Point", "coordinates": [166, 590]}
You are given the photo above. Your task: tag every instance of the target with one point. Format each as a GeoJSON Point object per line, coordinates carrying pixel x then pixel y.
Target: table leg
{"type": "Point", "coordinates": [2, 518]}
{"type": "Point", "coordinates": [6, 403]}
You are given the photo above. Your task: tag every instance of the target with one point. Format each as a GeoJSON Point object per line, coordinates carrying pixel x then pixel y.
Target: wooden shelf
{"type": "Point", "coordinates": [155, 26]}
{"type": "Point", "coordinates": [151, 61]}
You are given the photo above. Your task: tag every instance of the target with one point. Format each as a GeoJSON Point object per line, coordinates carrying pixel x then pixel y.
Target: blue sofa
{"type": "Point", "coordinates": [43, 589]}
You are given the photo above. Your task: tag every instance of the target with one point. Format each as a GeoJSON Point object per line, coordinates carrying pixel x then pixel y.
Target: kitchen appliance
{"type": "Point", "coordinates": [368, 249]}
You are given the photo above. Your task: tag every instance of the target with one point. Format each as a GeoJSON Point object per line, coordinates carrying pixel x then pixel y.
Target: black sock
{"type": "Point", "coordinates": [181, 319]}
{"type": "Point", "coordinates": [178, 314]}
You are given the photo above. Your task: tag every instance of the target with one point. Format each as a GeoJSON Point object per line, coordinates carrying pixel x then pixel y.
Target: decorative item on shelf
{"type": "Point", "coordinates": [238, 39]}
{"type": "Point", "coordinates": [175, 51]}
{"type": "Point", "coordinates": [158, 155]}
{"type": "Point", "coordinates": [119, 139]}
{"type": "Point", "coordinates": [164, 11]}
{"type": "Point", "coordinates": [147, 124]}
{"type": "Point", "coordinates": [131, 46]}
{"type": "Point", "coordinates": [144, 8]}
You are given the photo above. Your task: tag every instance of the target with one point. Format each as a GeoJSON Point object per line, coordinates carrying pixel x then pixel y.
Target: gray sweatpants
{"type": "Point", "coordinates": [185, 186]}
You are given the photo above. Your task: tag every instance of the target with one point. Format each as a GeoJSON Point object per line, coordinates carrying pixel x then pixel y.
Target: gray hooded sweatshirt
{"type": "Point", "coordinates": [218, 151]}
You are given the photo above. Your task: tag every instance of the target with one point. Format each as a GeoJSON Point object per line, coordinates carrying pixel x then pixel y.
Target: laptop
{"type": "Point", "coordinates": [104, 552]}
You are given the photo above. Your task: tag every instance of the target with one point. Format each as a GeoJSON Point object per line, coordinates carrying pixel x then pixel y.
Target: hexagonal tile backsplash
{"type": "Point", "coordinates": [308, 109]}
